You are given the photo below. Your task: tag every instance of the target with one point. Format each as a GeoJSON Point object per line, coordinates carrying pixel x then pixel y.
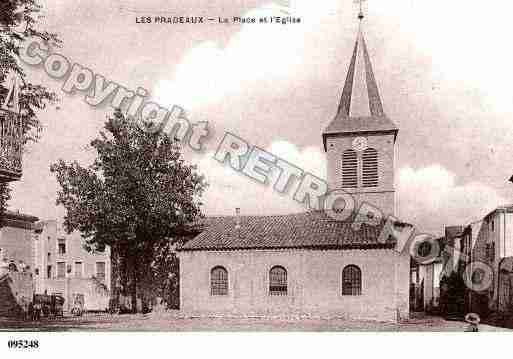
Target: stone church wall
{"type": "Point", "coordinates": [314, 284]}
{"type": "Point", "coordinates": [382, 196]}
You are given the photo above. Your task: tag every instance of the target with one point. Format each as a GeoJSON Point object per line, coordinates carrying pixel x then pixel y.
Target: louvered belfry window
{"type": "Point", "coordinates": [370, 168]}
{"type": "Point", "coordinates": [349, 169]}
{"type": "Point", "coordinates": [278, 281]}
{"type": "Point", "coordinates": [219, 281]}
{"type": "Point", "coordinates": [351, 280]}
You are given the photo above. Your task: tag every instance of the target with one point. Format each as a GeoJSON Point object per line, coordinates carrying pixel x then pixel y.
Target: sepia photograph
{"type": "Point", "coordinates": [235, 166]}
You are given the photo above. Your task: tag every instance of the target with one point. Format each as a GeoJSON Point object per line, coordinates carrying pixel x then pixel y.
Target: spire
{"type": "Point", "coordinates": [360, 96]}
{"type": "Point", "coordinates": [360, 110]}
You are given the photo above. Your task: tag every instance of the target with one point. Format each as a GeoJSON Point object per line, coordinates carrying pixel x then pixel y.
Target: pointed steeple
{"type": "Point", "coordinates": [360, 96]}
{"type": "Point", "coordinates": [360, 110]}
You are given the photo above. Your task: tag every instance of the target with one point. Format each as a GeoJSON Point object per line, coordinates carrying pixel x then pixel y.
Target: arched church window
{"type": "Point", "coordinates": [351, 280]}
{"type": "Point", "coordinates": [219, 281]}
{"type": "Point", "coordinates": [278, 281]}
{"type": "Point", "coordinates": [370, 168]}
{"type": "Point", "coordinates": [349, 169]}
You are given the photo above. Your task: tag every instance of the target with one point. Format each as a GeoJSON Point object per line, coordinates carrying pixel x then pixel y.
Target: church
{"type": "Point", "coordinates": [308, 264]}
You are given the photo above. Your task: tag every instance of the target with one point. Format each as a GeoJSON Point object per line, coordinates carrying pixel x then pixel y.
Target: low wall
{"type": "Point", "coordinates": [16, 292]}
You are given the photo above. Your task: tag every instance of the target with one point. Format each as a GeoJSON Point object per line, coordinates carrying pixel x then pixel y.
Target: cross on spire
{"type": "Point", "coordinates": [360, 13]}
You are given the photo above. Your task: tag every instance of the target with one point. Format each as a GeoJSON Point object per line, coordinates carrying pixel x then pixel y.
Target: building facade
{"type": "Point", "coordinates": [64, 267]}
{"type": "Point", "coordinates": [16, 262]}
{"type": "Point", "coordinates": [492, 245]}
{"type": "Point", "coordinates": [16, 240]}
{"type": "Point", "coordinates": [309, 264]}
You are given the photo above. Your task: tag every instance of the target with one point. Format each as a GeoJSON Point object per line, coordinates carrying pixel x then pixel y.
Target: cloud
{"type": "Point", "coordinates": [229, 189]}
{"type": "Point", "coordinates": [258, 57]}
{"type": "Point", "coordinates": [431, 197]}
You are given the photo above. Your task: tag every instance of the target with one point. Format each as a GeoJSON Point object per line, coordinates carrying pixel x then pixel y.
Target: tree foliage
{"type": "Point", "coordinates": [137, 195]}
{"type": "Point", "coordinates": [19, 20]}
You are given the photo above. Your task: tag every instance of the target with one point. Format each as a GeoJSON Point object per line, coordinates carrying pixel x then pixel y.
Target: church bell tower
{"type": "Point", "coordinates": [360, 140]}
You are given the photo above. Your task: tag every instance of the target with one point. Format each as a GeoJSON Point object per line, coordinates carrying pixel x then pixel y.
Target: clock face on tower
{"type": "Point", "coordinates": [359, 143]}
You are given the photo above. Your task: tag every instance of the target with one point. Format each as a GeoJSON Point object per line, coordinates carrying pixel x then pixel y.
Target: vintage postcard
{"type": "Point", "coordinates": [247, 165]}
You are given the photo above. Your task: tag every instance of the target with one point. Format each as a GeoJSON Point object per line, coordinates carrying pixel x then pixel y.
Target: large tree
{"type": "Point", "coordinates": [138, 194]}
{"type": "Point", "coordinates": [19, 20]}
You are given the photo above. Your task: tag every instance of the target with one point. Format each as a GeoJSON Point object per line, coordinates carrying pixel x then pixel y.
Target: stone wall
{"type": "Point", "coordinates": [383, 196]}
{"type": "Point", "coordinates": [314, 284]}
{"type": "Point", "coordinates": [96, 294]}
{"type": "Point", "coordinates": [16, 245]}
{"type": "Point", "coordinates": [16, 291]}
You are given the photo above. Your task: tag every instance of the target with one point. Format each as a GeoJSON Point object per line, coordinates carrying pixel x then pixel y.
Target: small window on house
{"type": "Point", "coordinates": [61, 269]}
{"type": "Point", "coordinates": [49, 272]}
{"type": "Point", "coordinates": [219, 281]}
{"type": "Point", "coordinates": [100, 270]}
{"type": "Point", "coordinates": [61, 246]}
{"type": "Point", "coordinates": [78, 269]}
{"type": "Point", "coordinates": [370, 168]}
{"type": "Point", "coordinates": [349, 169]}
{"type": "Point", "coordinates": [12, 267]}
{"type": "Point", "coordinates": [493, 225]}
{"type": "Point", "coordinates": [351, 280]}
{"type": "Point", "coordinates": [278, 281]}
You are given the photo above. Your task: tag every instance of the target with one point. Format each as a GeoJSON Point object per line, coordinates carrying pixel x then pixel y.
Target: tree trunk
{"type": "Point", "coordinates": [114, 278]}
{"type": "Point", "coordinates": [133, 289]}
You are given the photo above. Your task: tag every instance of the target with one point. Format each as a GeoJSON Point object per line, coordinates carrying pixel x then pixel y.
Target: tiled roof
{"type": "Point", "coordinates": [20, 216]}
{"type": "Point", "coordinates": [313, 230]}
{"type": "Point", "coordinates": [506, 208]}
{"type": "Point", "coordinates": [17, 220]}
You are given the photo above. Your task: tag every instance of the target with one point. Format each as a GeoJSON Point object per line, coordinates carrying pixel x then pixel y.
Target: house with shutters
{"type": "Point", "coordinates": [64, 267]}
{"type": "Point", "coordinates": [309, 264]}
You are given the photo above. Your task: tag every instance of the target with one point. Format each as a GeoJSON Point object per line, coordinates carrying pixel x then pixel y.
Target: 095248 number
{"type": "Point", "coordinates": [23, 344]}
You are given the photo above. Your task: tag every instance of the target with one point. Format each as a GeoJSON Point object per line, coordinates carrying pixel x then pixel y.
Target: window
{"type": "Point", "coordinates": [493, 225]}
{"type": "Point", "coordinates": [349, 169]}
{"type": "Point", "coordinates": [12, 267]}
{"type": "Point", "coordinates": [219, 281]}
{"type": "Point", "coordinates": [61, 246]}
{"type": "Point", "coordinates": [61, 269]}
{"type": "Point", "coordinates": [351, 280]}
{"type": "Point", "coordinates": [370, 168]}
{"type": "Point", "coordinates": [100, 270]}
{"type": "Point", "coordinates": [49, 272]}
{"type": "Point", "coordinates": [278, 281]}
{"type": "Point", "coordinates": [78, 269]}
{"type": "Point", "coordinates": [36, 271]}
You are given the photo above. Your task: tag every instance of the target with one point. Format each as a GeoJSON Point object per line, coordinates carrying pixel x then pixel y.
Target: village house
{"type": "Point", "coordinates": [16, 261]}
{"type": "Point", "coordinates": [64, 267]}
{"type": "Point", "coordinates": [37, 257]}
{"type": "Point", "coordinates": [309, 264]}
{"type": "Point", "coordinates": [425, 282]}
{"type": "Point", "coordinates": [492, 240]}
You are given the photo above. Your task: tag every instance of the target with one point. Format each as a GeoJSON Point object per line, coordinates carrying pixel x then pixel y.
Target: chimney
{"type": "Point", "coordinates": [237, 218]}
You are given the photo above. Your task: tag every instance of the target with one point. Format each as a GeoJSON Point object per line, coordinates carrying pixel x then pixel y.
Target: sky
{"type": "Point", "coordinates": [443, 70]}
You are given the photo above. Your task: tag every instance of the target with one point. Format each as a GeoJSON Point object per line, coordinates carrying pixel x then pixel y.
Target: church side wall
{"type": "Point", "coordinates": [314, 284]}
